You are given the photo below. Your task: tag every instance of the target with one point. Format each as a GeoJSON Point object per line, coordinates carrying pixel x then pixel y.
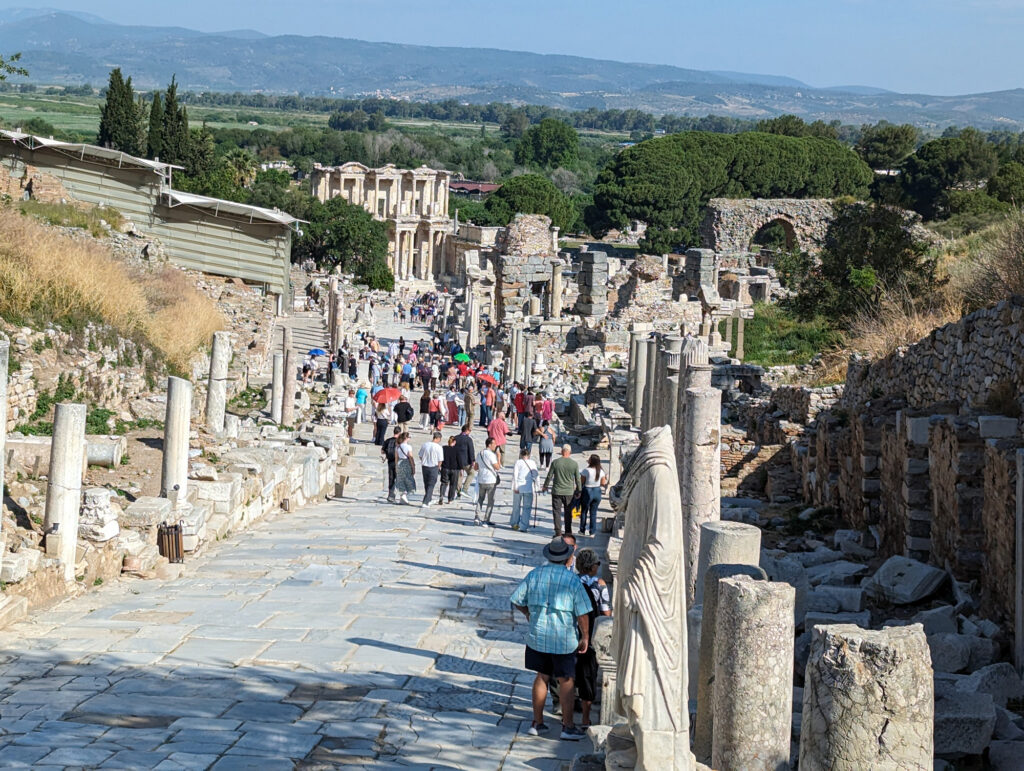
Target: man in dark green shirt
{"type": "Point", "coordinates": [564, 480]}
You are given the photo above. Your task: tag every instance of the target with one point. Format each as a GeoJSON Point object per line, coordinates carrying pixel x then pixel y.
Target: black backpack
{"type": "Point", "coordinates": [389, 449]}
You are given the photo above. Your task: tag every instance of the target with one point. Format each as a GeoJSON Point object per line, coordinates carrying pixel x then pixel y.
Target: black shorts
{"type": "Point", "coordinates": [560, 665]}
{"type": "Point", "coordinates": [586, 675]}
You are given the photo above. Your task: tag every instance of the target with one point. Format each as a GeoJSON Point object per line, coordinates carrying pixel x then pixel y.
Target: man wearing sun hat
{"type": "Point", "coordinates": [558, 608]}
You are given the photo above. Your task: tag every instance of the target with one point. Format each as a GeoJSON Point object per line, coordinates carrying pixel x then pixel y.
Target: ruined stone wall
{"type": "Point", "coordinates": [955, 457]}
{"type": "Point", "coordinates": [730, 225]}
{"type": "Point", "coordinates": [526, 258]}
{"type": "Point", "coordinates": [973, 361]}
{"type": "Point", "coordinates": [45, 187]}
{"type": "Point", "coordinates": [998, 521]}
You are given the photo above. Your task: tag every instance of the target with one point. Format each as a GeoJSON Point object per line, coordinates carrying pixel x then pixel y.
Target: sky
{"type": "Point", "coordinates": [918, 46]}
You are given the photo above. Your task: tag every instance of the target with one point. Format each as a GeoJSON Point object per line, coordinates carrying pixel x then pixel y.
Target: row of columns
{"type": "Point", "coordinates": [410, 261]}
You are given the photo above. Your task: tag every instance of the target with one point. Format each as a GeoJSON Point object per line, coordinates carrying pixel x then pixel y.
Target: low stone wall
{"type": "Point", "coordinates": [974, 361]}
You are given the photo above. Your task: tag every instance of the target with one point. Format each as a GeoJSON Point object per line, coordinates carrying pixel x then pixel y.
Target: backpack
{"type": "Point", "coordinates": [389, 450]}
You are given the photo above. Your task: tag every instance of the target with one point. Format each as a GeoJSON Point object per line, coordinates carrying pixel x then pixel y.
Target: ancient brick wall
{"type": "Point", "coordinates": [526, 258]}
{"type": "Point", "coordinates": [730, 225]}
{"type": "Point", "coordinates": [45, 187]}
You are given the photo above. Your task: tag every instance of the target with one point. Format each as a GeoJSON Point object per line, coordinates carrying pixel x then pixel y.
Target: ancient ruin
{"type": "Point", "coordinates": [730, 225]}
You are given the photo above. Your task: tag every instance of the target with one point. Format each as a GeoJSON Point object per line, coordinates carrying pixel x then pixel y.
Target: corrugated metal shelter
{"type": "Point", "coordinates": [208, 234]}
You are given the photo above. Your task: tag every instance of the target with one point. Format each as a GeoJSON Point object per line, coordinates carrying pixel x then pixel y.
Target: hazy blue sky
{"type": "Point", "coordinates": [931, 46]}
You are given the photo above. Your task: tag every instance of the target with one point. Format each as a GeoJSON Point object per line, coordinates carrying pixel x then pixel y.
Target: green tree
{"type": "Point", "coordinates": [869, 250]}
{"type": "Point", "coordinates": [885, 145]}
{"type": "Point", "coordinates": [154, 137]}
{"type": "Point", "coordinates": [549, 144]}
{"type": "Point", "coordinates": [243, 166]}
{"type": "Point", "coordinates": [943, 164]}
{"type": "Point", "coordinates": [515, 124]}
{"type": "Point", "coordinates": [785, 125]}
{"type": "Point", "coordinates": [667, 182]}
{"type": "Point", "coordinates": [175, 137]}
{"type": "Point", "coordinates": [342, 234]}
{"type": "Point", "coordinates": [8, 67]}
{"type": "Point", "coordinates": [120, 118]}
{"type": "Point", "coordinates": [530, 194]}
{"type": "Point", "coordinates": [1007, 184]}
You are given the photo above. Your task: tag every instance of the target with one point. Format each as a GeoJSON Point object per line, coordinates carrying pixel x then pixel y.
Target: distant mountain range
{"type": "Point", "coordinates": [72, 48]}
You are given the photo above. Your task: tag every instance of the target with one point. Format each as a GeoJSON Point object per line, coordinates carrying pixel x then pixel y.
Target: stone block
{"type": "Point", "coordinates": [1006, 755]}
{"type": "Point", "coordinates": [14, 567]}
{"type": "Point", "coordinates": [835, 573]}
{"type": "Point", "coordinates": [961, 652]}
{"type": "Point", "coordinates": [145, 512]}
{"type": "Point", "coordinates": [964, 722]}
{"type": "Point", "coordinates": [903, 581]}
{"type": "Point", "coordinates": [816, 618]}
{"type": "Point", "coordinates": [997, 427]}
{"type": "Point", "coordinates": [1000, 681]}
{"type": "Point", "coordinates": [836, 599]}
{"type": "Point", "coordinates": [787, 570]}
{"type": "Point", "coordinates": [917, 430]}
{"type": "Point", "coordinates": [936, 620]}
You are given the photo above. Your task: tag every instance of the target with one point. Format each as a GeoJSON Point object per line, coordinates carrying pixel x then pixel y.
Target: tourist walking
{"type": "Point", "coordinates": [425, 409]}
{"type": "Point", "coordinates": [431, 457]}
{"type": "Point", "coordinates": [558, 608]}
{"type": "Point", "coordinates": [450, 472]}
{"type": "Point", "coordinates": [548, 435]}
{"type": "Point", "coordinates": [465, 455]}
{"type": "Point", "coordinates": [587, 565]}
{"type": "Point", "coordinates": [389, 453]}
{"type": "Point", "coordinates": [405, 482]}
{"type": "Point", "coordinates": [381, 418]}
{"type": "Point", "coordinates": [497, 430]}
{"type": "Point", "coordinates": [563, 478]}
{"type": "Point", "coordinates": [470, 400]}
{"type": "Point", "coordinates": [403, 412]}
{"type": "Point", "coordinates": [487, 466]}
{"type": "Point", "coordinates": [528, 433]}
{"type": "Point", "coordinates": [524, 484]}
{"type": "Point", "coordinates": [595, 482]}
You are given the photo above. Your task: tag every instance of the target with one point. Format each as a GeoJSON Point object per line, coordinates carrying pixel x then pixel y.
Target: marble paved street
{"type": "Point", "coordinates": [352, 633]}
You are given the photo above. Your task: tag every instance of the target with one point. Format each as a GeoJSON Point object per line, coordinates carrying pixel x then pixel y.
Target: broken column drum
{"type": "Point", "coordinates": [649, 627]}
{"type": "Point", "coordinates": [703, 728]}
{"type": "Point", "coordinates": [726, 543]}
{"type": "Point", "coordinates": [174, 472]}
{"type": "Point", "coordinates": [753, 686]}
{"type": "Point", "coordinates": [702, 469]}
{"type": "Point", "coordinates": [64, 481]}
{"type": "Point", "coordinates": [277, 388]}
{"type": "Point", "coordinates": [217, 387]}
{"type": "Point", "coordinates": [868, 699]}
{"type": "Point", "coordinates": [668, 383]}
{"type": "Point", "coordinates": [640, 381]}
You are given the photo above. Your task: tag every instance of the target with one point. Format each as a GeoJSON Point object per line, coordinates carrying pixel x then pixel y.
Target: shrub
{"type": "Point", "coordinates": [775, 337]}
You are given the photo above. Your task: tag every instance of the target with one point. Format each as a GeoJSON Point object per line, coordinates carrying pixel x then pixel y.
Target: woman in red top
{"type": "Point", "coordinates": [497, 429]}
{"type": "Point", "coordinates": [434, 409]}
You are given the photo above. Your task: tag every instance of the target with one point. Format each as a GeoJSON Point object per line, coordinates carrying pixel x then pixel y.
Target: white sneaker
{"type": "Point", "coordinates": [404, 499]}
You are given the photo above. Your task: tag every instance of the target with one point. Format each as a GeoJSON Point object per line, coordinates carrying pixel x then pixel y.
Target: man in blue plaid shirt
{"type": "Point", "coordinates": [558, 607]}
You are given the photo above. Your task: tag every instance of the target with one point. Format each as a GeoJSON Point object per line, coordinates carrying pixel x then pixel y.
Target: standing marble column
{"type": "Point", "coordinates": [277, 388]}
{"type": "Point", "coordinates": [668, 383]}
{"type": "Point", "coordinates": [640, 382]}
{"type": "Point", "coordinates": [704, 674]}
{"type": "Point", "coordinates": [528, 350]}
{"type": "Point", "coordinates": [702, 469]}
{"type": "Point", "coordinates": [739, 338]}
{"type": "Point", "coordinates": [217, 386]}
{"type": "Point", "coordinates": [473, 338]}
{"type": "Point", "coordinates": [868, 699]}
{"type": "Point", "coordinates": [555, 299]}
{"type": "Point", "coordinates": [694, 353]}
{"type": "Point", "coordinates": [726, 543]}
{"type": "Point", "coordinates": [634, 341]}
{"type": "Point", "coordinates": [64, 481]}
{"type": "Point", "coordinates": [753, 701]}
{"type": "Point", "coordinates": [288, 400]}
{"type": "Point", "coordinates": [177, 424]}
{"type": "Point", "coordinates": [650, 384]}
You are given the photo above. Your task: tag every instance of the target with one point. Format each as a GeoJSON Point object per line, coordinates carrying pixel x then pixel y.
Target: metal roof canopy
{"type": "Point", "coordinates": [218, 205]}
{"type": "Point", "coordinates": [87, 151]}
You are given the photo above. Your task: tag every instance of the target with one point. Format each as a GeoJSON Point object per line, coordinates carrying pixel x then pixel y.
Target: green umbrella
{"type": "Point", "coordinates": [462, 357]}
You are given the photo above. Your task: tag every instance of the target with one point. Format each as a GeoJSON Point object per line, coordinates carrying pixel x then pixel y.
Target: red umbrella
{"type": "Point", "coordinates": [387, 395]}
{"type": "Point", "coordinates": [483, 377]}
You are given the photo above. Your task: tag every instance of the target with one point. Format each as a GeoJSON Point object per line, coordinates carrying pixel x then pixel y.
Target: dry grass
{"type": "Point", "coordinates": [900, 320]}
{"type": "Point", "coordinates": [993, 267]}
{"type": "Point", "coordinates": [46, 277]}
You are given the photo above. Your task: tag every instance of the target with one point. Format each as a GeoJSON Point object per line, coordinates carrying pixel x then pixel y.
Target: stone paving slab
{"type": "Point", "coordinates": [353, 633]}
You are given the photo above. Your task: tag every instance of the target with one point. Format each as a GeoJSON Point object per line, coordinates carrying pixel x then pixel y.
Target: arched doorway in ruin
{"type": "Point", "coordinates": [776, 235]}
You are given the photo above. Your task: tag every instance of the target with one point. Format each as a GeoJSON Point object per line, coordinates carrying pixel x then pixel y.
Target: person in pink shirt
{"type": "Point", "coordinates": [497, 429]}
{"type": "Point", "coordinates": [547, 411]}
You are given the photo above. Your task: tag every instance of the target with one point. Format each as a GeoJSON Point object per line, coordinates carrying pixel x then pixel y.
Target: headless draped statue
{"type": "Point", "coordinates": [649, 637]}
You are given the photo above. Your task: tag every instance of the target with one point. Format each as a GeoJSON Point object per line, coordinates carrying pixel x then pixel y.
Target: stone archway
{"type": "Point", "coordinates": [766, 236]}
{"type": "Point", "coordinates": [730, 225]}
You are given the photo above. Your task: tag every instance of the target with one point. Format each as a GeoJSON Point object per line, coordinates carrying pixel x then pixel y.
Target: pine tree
{"type": "Point", "coordinates": [175, 137]}
{"type": "Point", "coordinates": [154, 140]}
{"type": "Point", "coordinates": [120, 119]}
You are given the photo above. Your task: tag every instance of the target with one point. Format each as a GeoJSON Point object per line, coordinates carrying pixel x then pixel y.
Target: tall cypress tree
{"type": "Point", "coordinates": [120, 119]}
{"type": "Point", "coordinates": [155, 138]}
{"type": "Point", "coordinates": [175, 128]}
